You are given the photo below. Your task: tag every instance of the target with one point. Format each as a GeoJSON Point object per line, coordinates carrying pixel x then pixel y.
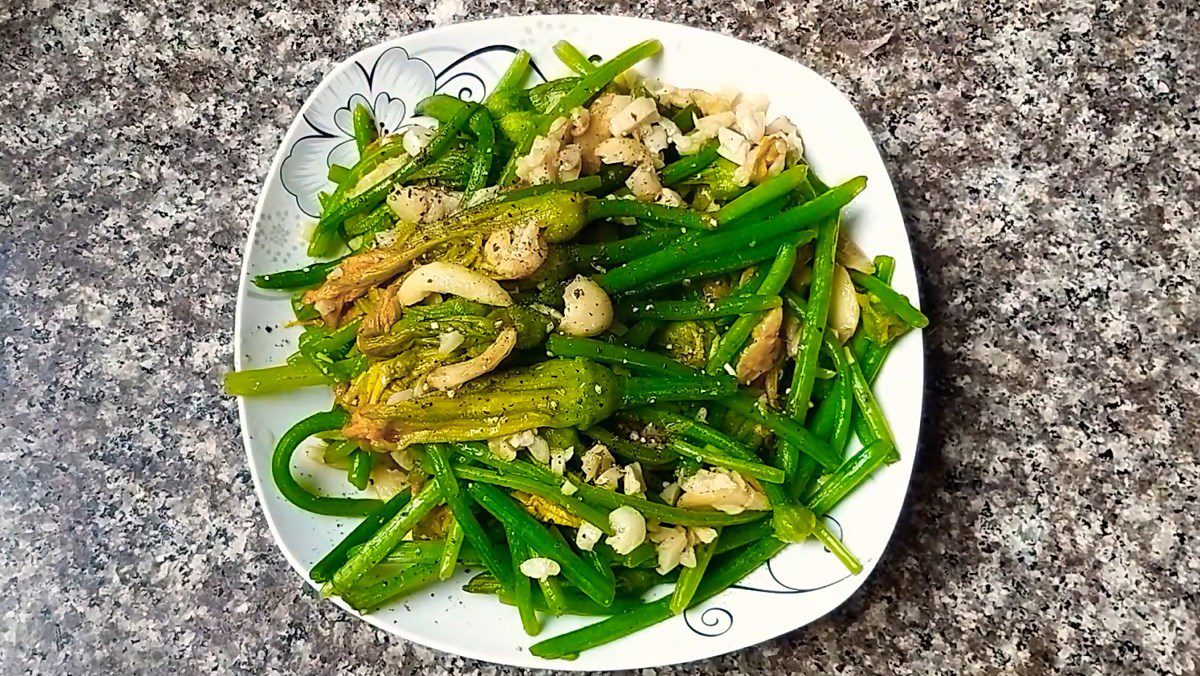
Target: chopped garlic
{"type": "Point", "coordinates": [449, 342]}
{"type": "Point", "coordinates": [721, 489]}
{"type": "Point", "coordinates": [676, 545]}
{"type": "Point", "coordinates": [422, 204]}
{"type": "Point", "coordinates": [629, 527]}
{"type": "Point", "coordinates": [669, 197]}
{"type": "Point", "coordinates": [529, 440]}
{"type": "Point", "coordinates": [644, 182]}
{"type": "Point", "coordinates": [610, 478]}
{"type": "Point", "coordinates": [750, 114]}
{"type": "Point", "coordinates": [670, 493]}
{"type": "Point", "coordinates": [632, 482]}
{"type": "Point", "coordinates": [416, 138]}
{"type": "Point", "coordinates": [540, 568]}
{"type": "Point", "coordinates": [587, 536]}
{"type": "Point", "coordinates": [670, 542]}
{"type": "Point", "coordinates": [559, 458]}
{"type": "Point", "coordinates": [568, 487]}
{"type": "Point", "coordinates": [500, 448]}
{"type": "Point", "coordinates": [734, 146]}
{"type": "Point", "coordinates": [783, 128]}
{"type": "Point", "coordinates": [595, 461]}
{"type": "Point", "coordinates": [628, 118]}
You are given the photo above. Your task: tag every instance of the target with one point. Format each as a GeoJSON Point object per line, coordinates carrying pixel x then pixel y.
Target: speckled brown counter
{"type": "Point", "coordinates": [1046, 156]}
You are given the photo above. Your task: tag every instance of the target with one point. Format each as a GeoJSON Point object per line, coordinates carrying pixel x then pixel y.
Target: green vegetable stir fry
{"type": "Point", "coordinates": [588, 337]}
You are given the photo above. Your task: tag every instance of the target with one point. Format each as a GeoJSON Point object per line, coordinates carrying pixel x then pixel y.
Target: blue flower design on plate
{"type": "Point", "coordinates": [390, 86]}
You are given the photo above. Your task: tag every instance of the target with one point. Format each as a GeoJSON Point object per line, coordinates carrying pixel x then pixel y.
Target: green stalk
{"type": "Point", "coordinates": [281, 469]}
{"type": "Point", "coordinates": [385, 539]}
{"type": "Point", "coordinates": [763, 193]}
{"type": "Point", "coordinates": [731, 343]}
{"type": "Point", "coordinates": [325, 568]}
{"type": "Point", "coordinates": [573, 58]}
{"type": "Point", "coordinates": [689, 578]}
{"type": "Point", "coordinates": [678, 310]}
{"type": "Point", "coordinates": [659, 213]}
{"type": "Point", "coordinates": [590, 84]}
{"type": "Point", "coordinates": [641, 270]}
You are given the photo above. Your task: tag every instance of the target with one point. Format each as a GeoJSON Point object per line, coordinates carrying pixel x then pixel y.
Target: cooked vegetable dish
{"type": "Point", "coordinates": [589, 339]}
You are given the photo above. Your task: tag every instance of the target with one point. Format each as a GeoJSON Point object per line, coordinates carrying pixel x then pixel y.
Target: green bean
{"type": "Point", "coordinates": [705, 309]}
{"type": "Point", "coordinates": [734, 537]}
{"type": "Point", "coordinates": [386, 148]}
{"type": "Point", "coordinates": [281, 469]}
{"type": "Point", "coordinates": [590, 84]}
{"type": "Point", "coordinates": [600, 563]}
{"type": "Point", "coordinates": [365, 599]}
{"type": "Point", "coordinates": [552, 592]}
{"type": "Point", "coordinates": [772, 188]}
{"type": "Point", "coordinates": [622, 250]}
{"type": "Point", "coordinates": [689, 578]}
{"type": "Point", "coordinates": [552, 493]}
{"type": "Point", "coordinates": [381, 218]}
{"type": "Point", "coordinates": [658, 213]}
{"type": "Point", "coordinates": [522, 590]}
{"type": "Point", "coordinates": [844, 398]}
{"type": "Point", "coordinates": [573, 58]}
{"type": "Point", "coordinates": [641, 332]}
{"type": "Point", "coordinates": [359, 473]}
{"type": "Point", "coordinates": [685, 119]}
{"type": "Point", "coordinates": [338, 451]}
{"type": "Point", "coordinates": [514, 76]}
{"type": "Point", "coordinates": [480, 453]}
{"type": "Point", "coordinates": [719, 265]}
{"type": "Point", "coordinates": [575, 603]}
{"type": "Point", "coordinates": [647, 455]}
{"type": "Point", "coordinates": [649, 390]}
{"type": "Point", "coordinates": [849, 476]}
{"type": "Point", "coordinates": [837, 408]}
{"type": "Point", "coordinates": [663, 512]}
{"type": "Point", "coordinates": [535, 536]}
{"type": "Point", "coordinates": [789, 523]}
{"type": "Point", "coordinates": [334, 340]}
{"type": "Point", "coordinates": [582, 184]}
{"type": "Point", "coordinates": [303, 311]}
{"type": "Point", "coordinates": [867, 405]}
{"type": "Point", "coordinates": [309, 275]}
{"type": "Point", "coordinates": [609, 499]}
{"type": "Point", "coordinates": [713, 456]}
{"type": "Point", "coordinates": [785, 428]}
{"type": "Point", "coordinates": [332, 219]}
{"type": "Point", "coordinates": [444, 108]}
{"type": "Point", "coordinates": [724, 574]}
{"type": "Point", "coordinates": [689, 165]}
{"type": "Point", "coordinates": [608, 353]}
{"type": "Point", "coordinates": [385, 539]}
{"type": "Point", "coordinates": [324, 569]}
{"type": "Point", "coordinates": [338, 174]}
{"type": "Point", "coordinates": [410, 552]}
{"type": "Point", "coordinates": [493, 558]}
{"type": "Point", "coordinates": [731, 343]}
{"type": "Point", "coordinates": [815, 317]}
{"type": "Point", "coordinates": [485, 151]}
{"type": "Point", "coordinates": [274, 379]}
{"type": "Point", "coordinates": [891, 299]}
{"type": "Point", "coordinates": [520, 150]}
{"type": "Point", "coordinates": [365, 131]}
{"type": "Point", "coordinates": [674, 257]}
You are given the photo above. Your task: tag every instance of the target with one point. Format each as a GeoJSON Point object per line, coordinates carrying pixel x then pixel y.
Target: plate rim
{"type": "Point", "coordinates": [465, 650]}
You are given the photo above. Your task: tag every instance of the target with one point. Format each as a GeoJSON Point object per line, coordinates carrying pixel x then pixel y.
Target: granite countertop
{"type": "Point", "coordinates": [1045, 154]}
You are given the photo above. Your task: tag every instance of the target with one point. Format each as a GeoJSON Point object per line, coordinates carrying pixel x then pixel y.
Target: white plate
{"type": "Point", "coordinates": [801, 584]}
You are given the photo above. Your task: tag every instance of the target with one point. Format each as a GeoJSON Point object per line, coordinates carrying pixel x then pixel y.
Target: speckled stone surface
{"type": "Point", "coordinates": [1046, 157]}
